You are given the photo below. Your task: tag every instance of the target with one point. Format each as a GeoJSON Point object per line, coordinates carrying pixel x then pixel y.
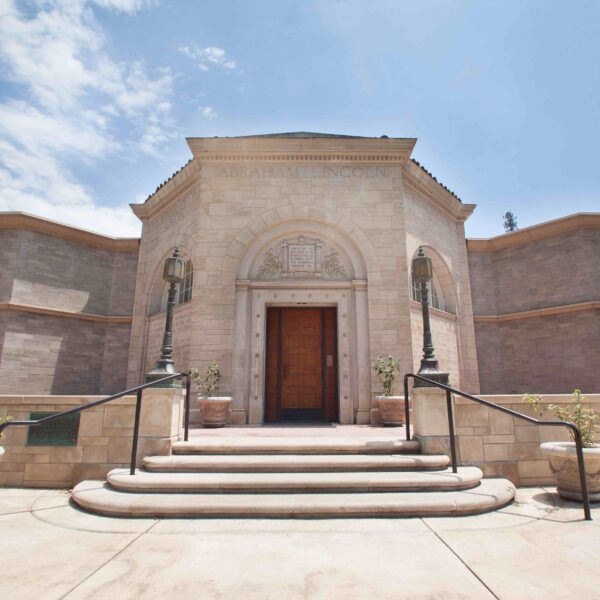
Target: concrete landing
{"type": "Point", "coordinates": [539, 547]}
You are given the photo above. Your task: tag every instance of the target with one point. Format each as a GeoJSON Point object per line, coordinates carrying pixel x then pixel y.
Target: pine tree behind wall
{"type": "Point", "coordinates": [510, 222]}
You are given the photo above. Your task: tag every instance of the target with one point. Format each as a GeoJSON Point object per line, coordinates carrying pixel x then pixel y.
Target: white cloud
{"type": "Point", "coordinates": [124, 6]}
{"type": "Point", "coordinates": [208, 112]}
{"type": "Point", "coordinates": [205, 57]}
{"type": "Point", "coordinates": [80, 106]}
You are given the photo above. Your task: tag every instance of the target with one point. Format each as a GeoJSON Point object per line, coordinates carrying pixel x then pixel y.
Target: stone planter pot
{"type": "Point", "coordinates": [563, 464]}
{"type": "Point", "coordinates": [214, 410]}
{"type": "Point", "coordinates": [391, 410]}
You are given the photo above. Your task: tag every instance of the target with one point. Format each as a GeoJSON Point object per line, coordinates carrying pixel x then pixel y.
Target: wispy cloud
{"type": "Point", "coordinates": [125, 6]}
{"type": "Point", "coordinates": [80, 105]}
{"type": "Point", "coordinates": [207, 57]}
{"type": "Point", "coordinates": [208, 112]}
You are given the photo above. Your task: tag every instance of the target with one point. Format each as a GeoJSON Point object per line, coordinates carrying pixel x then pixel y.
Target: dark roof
{"type": "Point", "coordinates": [304, 134]}
{"type": "Point", "coordinates": [169, 179]}
{"type": "Point", "coordinates": [435, 179]}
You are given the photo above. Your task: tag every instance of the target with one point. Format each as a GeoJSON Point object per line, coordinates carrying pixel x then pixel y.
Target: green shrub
{"type": "Point", "coordinates": [583, 417]}
{"type": "Point", "coordinates": [210, 385]}
{"type": "Point", "coordinates": [387, 368]}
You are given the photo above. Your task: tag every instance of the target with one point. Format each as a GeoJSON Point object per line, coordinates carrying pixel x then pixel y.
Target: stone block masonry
{"type": "Point", "coordinates": [66, 299]}
{"type": "Point", "coordinates": [505, 446]}
{"type": "Point", "coordinates": [536, 304]}
{"type": "Point", "coordinates": [103, 442]}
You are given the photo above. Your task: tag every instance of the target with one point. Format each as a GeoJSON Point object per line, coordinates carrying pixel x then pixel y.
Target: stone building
{"type": "Point", "coordinates": [298, 250]}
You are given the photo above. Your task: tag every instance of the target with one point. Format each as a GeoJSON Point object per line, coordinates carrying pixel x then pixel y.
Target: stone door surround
{"type": "Point", "coordinates": [252, 300]}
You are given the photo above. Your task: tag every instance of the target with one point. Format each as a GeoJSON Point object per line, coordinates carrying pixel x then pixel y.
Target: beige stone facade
{"type": "Point", "coordinates": [358, 206]}
{"type": "Point", "coordinates": [300, 220]}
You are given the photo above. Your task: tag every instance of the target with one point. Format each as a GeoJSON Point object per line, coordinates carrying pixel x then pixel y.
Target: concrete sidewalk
{"type": "Point", "coordinates": [537, 548]}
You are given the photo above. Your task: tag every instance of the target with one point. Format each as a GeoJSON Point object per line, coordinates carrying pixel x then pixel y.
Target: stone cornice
{"type": "Point", "coordinates": [19, 220]}
{"type": "Point", "coordinates": [538, 312]}
{"type": "Point", "coordinates": [426, 186]}
{"type": "Point", "coordinates": [536, 232]}
{"type": "Point", "coordinates": [300, 284]}
{"type": "Point", "coordinates": [313, 149]}
{"type": "Point", "coordinates": [67, 314]}
{"type": "Point", "coordinates": [169, 192]}
{"type": "Point", "coordinates": [269, 150]}
{"type": "Point", "coordinates": [307, 157]}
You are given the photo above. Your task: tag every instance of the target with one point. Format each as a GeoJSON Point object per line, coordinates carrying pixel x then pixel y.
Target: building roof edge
{"type": "Point", "coordinates": [536, 232]}
{"type": "Point", "coordinates": [22, 220]}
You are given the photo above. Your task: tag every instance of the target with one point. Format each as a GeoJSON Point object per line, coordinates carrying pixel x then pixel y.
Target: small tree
{"type": "Point", "coordinates": [584, 418]}
{"type": "Point", "coordinates": [510, 222]}
{"type": "Point", "coordinates": [386, 368]}
{"type": "Point", "coordinates": [212, 377]}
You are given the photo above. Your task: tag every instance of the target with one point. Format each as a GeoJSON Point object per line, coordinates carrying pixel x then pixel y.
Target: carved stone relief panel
{"type": "Point", "coordinates": [301, 257]}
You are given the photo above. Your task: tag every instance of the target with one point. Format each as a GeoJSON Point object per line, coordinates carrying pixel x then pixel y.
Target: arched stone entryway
{"type": "Point", "coordinates": [302, 263]}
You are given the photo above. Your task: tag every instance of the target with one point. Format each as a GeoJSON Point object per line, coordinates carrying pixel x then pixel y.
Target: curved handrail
{"type": "Point", "coordinates": [450, 390]}
{"type": "Point", "coordinates": [138, 390]}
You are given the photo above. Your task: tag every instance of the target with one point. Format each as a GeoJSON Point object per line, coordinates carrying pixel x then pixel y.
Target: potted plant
{"type": "Point", "coordinates": [3, 420]}
{"type": "Point", "coordinates": [391, 408]}
{"type": "Point", "coordinates": [563, 456]}
{"type": "Point", "coordinates": [213, 409]}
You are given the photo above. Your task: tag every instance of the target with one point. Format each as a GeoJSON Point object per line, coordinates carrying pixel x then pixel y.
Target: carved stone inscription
{"type": "Point", "coordinates": [301, 257]}
{"type": "Point", "coordinates": [313, 172]}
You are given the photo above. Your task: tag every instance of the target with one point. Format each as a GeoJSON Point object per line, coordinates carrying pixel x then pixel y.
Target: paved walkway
{"type": "Point", "coordinates": [537, 548]}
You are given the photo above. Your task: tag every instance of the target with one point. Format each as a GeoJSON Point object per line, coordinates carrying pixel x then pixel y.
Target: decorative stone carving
{"type": "Point", "coordinates": [301, 257]}
{"type": "Point", "coordinates": [270, 267]}
{"type": "Point", "coordinates": [331, 265]}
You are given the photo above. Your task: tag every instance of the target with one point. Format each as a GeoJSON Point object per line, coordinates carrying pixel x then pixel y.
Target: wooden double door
{"type": "Point", "coordinates": [301, 365]}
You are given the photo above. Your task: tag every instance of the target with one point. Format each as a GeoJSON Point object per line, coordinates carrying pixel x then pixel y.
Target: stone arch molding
{"type": "Point", "coordinates": [444, 277]}
{"type": "Point", "coordinates": [157, 285]}
{"type": "Point", "coordinates": [302, 249]}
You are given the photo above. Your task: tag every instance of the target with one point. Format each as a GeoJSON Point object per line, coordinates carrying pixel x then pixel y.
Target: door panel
{"type": "Point", "coordinates": [301, 384]}
{"type": "Point", "coordinates": [301, 364]}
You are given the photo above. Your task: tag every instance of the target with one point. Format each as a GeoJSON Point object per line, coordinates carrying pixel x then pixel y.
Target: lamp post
{"type": "Point", "coordinates": [165, 366]}
{"type": "Point", "coordinates": [422, 272]}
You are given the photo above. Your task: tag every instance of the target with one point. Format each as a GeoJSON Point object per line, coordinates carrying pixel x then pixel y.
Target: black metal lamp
{"type": "Point", "coordinates": [422, 273]}
{"type": "Point", "coordinates": [165, 366]}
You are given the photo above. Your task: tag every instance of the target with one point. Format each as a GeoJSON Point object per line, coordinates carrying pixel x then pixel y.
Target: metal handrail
{"type": "Point", "coordinates": [138, 390]}
{"type": "Point", "coordinates": [450, 390]}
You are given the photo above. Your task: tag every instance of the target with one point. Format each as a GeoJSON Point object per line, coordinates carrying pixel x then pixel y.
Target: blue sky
{"type": "Point", "coordinates": [97, 97]}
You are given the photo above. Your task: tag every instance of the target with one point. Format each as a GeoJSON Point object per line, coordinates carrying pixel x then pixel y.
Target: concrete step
{"type": "Point", "coordinates": [298, 463]}
{"type": "Point", "coordinates": [295, 445]}
{"type": "Point", "coordinates": [143, 481]}
{"type": "Point", "coordinates": [99, 497]}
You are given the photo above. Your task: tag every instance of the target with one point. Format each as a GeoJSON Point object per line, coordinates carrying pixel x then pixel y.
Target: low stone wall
{"type": "Point", "coordinates": [103, 441]}
{"type": "Point", "coordinates": [502, 445]}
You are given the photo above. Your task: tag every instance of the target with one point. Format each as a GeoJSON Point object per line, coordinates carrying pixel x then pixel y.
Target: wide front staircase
{"type": "Point", "coordinates": [295, 473]}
